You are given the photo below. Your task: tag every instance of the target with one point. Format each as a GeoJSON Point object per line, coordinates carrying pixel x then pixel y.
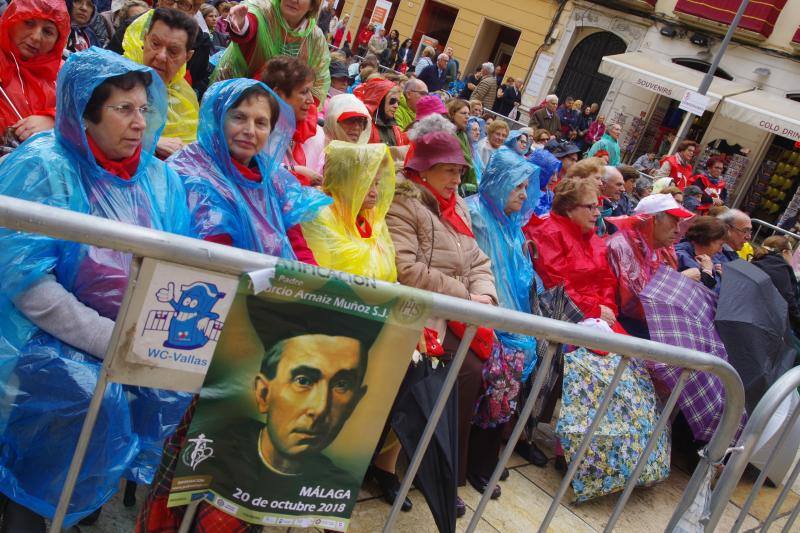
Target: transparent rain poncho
{"type": "Point", "coordinates": [548, 165]}
{"type": "Point", "coordinates": [45, 384]}
{"type": "Point", "coordinates": [334, 237]}
{"type": "Point", "coordinates": [255, 215]}
{"type": "Point", "coordinates": [275, 38]}
{"type": "Point", "coordinates": [500, 237]}
{"type": "Point", "coordinates": [181, 98]}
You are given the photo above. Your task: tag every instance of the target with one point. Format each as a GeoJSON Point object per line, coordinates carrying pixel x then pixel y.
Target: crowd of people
{"type": "Point", "coordinates": [283, 150]}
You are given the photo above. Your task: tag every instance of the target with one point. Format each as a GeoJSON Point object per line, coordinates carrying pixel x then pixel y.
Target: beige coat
{"type": "Point", "coordinates": [430, 254]}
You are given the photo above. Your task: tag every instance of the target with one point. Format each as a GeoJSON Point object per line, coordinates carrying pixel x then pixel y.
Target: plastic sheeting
{"type": "Point", "coordinates": [275, 38]}
{"type": "Point", "coordinates": [500, 237]}
{"type": "Point", "coordinates": [182, 100]}
{"type": "Point", "coordinates": [345, 103]}
{"type": "Point", "coordinates": [350, 170]}
{"type": "Point", "coordinates": [255, 215]}
{"type": "Point", "coordinates": [549, 164]}
{"type": "Point", "coordinates": [45, 385]}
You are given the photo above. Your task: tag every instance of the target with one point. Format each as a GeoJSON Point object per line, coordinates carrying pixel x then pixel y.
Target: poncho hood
{"type": "Point", "coordinates": [81, 74]}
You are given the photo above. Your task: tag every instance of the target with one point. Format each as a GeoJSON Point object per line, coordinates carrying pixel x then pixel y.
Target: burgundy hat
{"type": "Point", "coordinates": [429, 105]}
{"type": "Point", "coordinates": [433, 149]}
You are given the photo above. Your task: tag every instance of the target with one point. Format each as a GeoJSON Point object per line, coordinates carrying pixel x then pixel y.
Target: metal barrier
{"type": "Point", "coordinates": [733, 471]}
{"type": "Point", "coordinates": [766, 226]}
{"type": "Point", "coordinates": [143, 242]}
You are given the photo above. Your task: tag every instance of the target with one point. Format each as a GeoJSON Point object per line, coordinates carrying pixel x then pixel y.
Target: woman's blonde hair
{"type": "Point", "coordinates": [497, 125]}
{"type": "Point", "coordinates": [569, 192]}
{"type": "Point", "coordinates": [585, 168]}
{"type": "Point", "coordinates": [776, 243]}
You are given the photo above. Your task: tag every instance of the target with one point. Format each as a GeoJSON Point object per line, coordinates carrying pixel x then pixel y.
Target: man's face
{"type": "Point", "coordinates": [614, 185]}
{"type": "Point", "coordinates": [441, 62]}
{"type": "Point", "coordinates": [568, 103]}
{"type": "Point", "coordinates": [715, 170]}
{"type": "Point", "coordinates": [739, 232]}
{"type": "Point", "coordinates": [316, 387]}
{"type": "Point", "coordinates": [552, 105]}
{"type": "Point", "coordinates": [165, 50]}
{"type": "Point", "coordinates": [448, 51]}
{"type": "Point", "coordinates": [665, 230]}
{"type": "Point", "coordinates": [414, 93]}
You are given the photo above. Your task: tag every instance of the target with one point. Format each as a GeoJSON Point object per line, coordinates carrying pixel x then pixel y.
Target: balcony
{"type": "Point", "coordinates": [645, 6]}
{"type": "Point", "coordinates": [756, 24]}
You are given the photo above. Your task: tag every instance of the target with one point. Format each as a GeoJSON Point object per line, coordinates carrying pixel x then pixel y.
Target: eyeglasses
{"type": "Point", "coordinates": [127, 110]}
{"type": "Point", "coordinates": [394, 101]}
{"type": "Point", "coordinates": [590, 207]}
{"type": "Point", "coordinates": [421, 93]}
{"type": "Point", "coordinates": [361, 121]}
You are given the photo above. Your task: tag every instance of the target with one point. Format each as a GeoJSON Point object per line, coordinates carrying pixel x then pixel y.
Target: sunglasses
{"type": "Point", "coordinates": [394, 101]}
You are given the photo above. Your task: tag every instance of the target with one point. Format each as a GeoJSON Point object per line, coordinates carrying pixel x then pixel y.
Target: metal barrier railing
{"type": "Point", "coordinates": [147, 243]}
{"type": "Point", "coordinates": [759, 225]}
{"type": "Point", "coordinates": [767, 406]}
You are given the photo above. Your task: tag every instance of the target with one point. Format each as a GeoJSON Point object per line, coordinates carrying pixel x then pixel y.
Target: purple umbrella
{"type": "Point", "coordinates": [680, 312]}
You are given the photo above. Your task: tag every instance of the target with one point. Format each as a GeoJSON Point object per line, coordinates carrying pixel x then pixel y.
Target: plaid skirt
{"type": "Point", "coordinates": [156, 517]}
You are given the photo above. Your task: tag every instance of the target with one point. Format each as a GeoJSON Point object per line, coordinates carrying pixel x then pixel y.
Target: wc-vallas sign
{"type": "Point", "coordinates": [180, 316]}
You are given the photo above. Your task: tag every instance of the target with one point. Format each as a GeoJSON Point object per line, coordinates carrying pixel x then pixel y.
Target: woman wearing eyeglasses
{"type": "Point", "coordinates": [60, 298]}
{"type": "Point", "coordinates": [382, 97]}
{"type": "Point", "coordinates": [569, 252]}
{"type": "Point", "coordinates": [436, 251]}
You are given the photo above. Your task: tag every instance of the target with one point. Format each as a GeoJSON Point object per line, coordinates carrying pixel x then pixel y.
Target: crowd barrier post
{"type": "Point", "coordinates": [733, 471]}
{"type": "Point", "coordinates": [766, 226]}
{"type": "Point", "coordinates": [143, 243]}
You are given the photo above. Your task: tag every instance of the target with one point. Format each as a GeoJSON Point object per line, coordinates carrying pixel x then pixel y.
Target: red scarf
{"type": "Point", "coordinates": [303, 132]}
{"type": "Point", "coordinates": [124, 168]}
{"type": "Point", "coordinates": [252, 174]}
{"type": "Point", "coordinates": [447, 208]}
{"type": "Point", "coordinates": [363, 227]}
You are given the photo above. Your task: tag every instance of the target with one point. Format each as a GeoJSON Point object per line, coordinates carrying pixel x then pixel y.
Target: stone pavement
{"type": "Point", "coordinates": [526, 496]}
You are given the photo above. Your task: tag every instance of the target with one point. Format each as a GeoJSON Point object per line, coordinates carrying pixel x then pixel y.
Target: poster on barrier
{"type": "Point", "coordinates": [297, 395]}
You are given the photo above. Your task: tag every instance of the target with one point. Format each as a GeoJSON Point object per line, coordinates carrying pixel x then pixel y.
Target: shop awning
{"type": "Point", "coordinates": [665, 78]}
{"type": "Point", "coordinates": [767, 111]}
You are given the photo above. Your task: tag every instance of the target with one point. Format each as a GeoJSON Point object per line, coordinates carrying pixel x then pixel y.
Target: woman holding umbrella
{"type": "Point", "coordinates": [436, 250]}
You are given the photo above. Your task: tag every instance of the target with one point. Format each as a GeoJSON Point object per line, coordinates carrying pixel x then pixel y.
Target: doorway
{"type": "Point", "coordinates": [369, 9]}
{"type": "Point", "coordinates": [495, 43]}
{"type": "Point", "coordinates": [581, 78]}
{"type": "Point", "coordinates": [436, 21]}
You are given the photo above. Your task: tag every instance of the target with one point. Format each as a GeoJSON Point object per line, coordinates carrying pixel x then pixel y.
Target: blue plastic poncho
{"type": "Point", "coordinates": [500, 237]}
{"type": "Point", "coordinates": [511, 142]}
{"type": "Point", "coordinates": [46, 385]}
{"type": "Point", "coordinates": [254, 215]}
{"type": "Point", "coordinates": [549, 165]}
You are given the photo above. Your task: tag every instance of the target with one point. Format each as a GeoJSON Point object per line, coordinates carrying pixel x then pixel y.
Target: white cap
{"type": "Point", "coordinates": [659, 203]}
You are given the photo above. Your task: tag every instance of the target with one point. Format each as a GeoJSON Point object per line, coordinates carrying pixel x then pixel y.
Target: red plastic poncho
{"type": "Point", "coordinates": [372, 92]}
{"type": "Point", "coordinates": [31, 85]}
{"type": "Point", "coordinates": [634, 261]}
{"type": "Point", "coordinates": [567, 256]}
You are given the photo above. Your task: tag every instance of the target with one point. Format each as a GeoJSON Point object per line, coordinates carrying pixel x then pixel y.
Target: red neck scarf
{"type": "Point", "coordinates": [447, 208]}
{"type": "Point", "coordinates": [252, 174]}
{"type": "Point", "coordinates": [124, 168]}
{"type": "Point", "coordinates": [303, 132]}
{"type": "Point", "coordinates": [363, 227]}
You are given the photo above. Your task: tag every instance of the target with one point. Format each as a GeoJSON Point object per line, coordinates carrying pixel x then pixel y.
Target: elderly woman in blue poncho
{"type": "Point", "coordinates": [59, 299]}
{"type": "Point", "coordinates": [239, 195]}
{"type": "Point", "coordinates": [504, 203]}
{"type": "Point", "coordinates": [506, 197]}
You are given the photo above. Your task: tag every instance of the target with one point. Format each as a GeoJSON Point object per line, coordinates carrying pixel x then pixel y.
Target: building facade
{"type": "Point", "coordinates": [505, 32]}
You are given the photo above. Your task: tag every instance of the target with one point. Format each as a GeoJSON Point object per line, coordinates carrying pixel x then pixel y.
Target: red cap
{"type": "Point", "coordinates": [351, 114]}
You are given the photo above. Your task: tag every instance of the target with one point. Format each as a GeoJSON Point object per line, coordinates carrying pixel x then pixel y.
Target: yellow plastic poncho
{"type": "Point", "coordinates": [350, 170]}
{"type": "Point", "coordinates": [183, 109]}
